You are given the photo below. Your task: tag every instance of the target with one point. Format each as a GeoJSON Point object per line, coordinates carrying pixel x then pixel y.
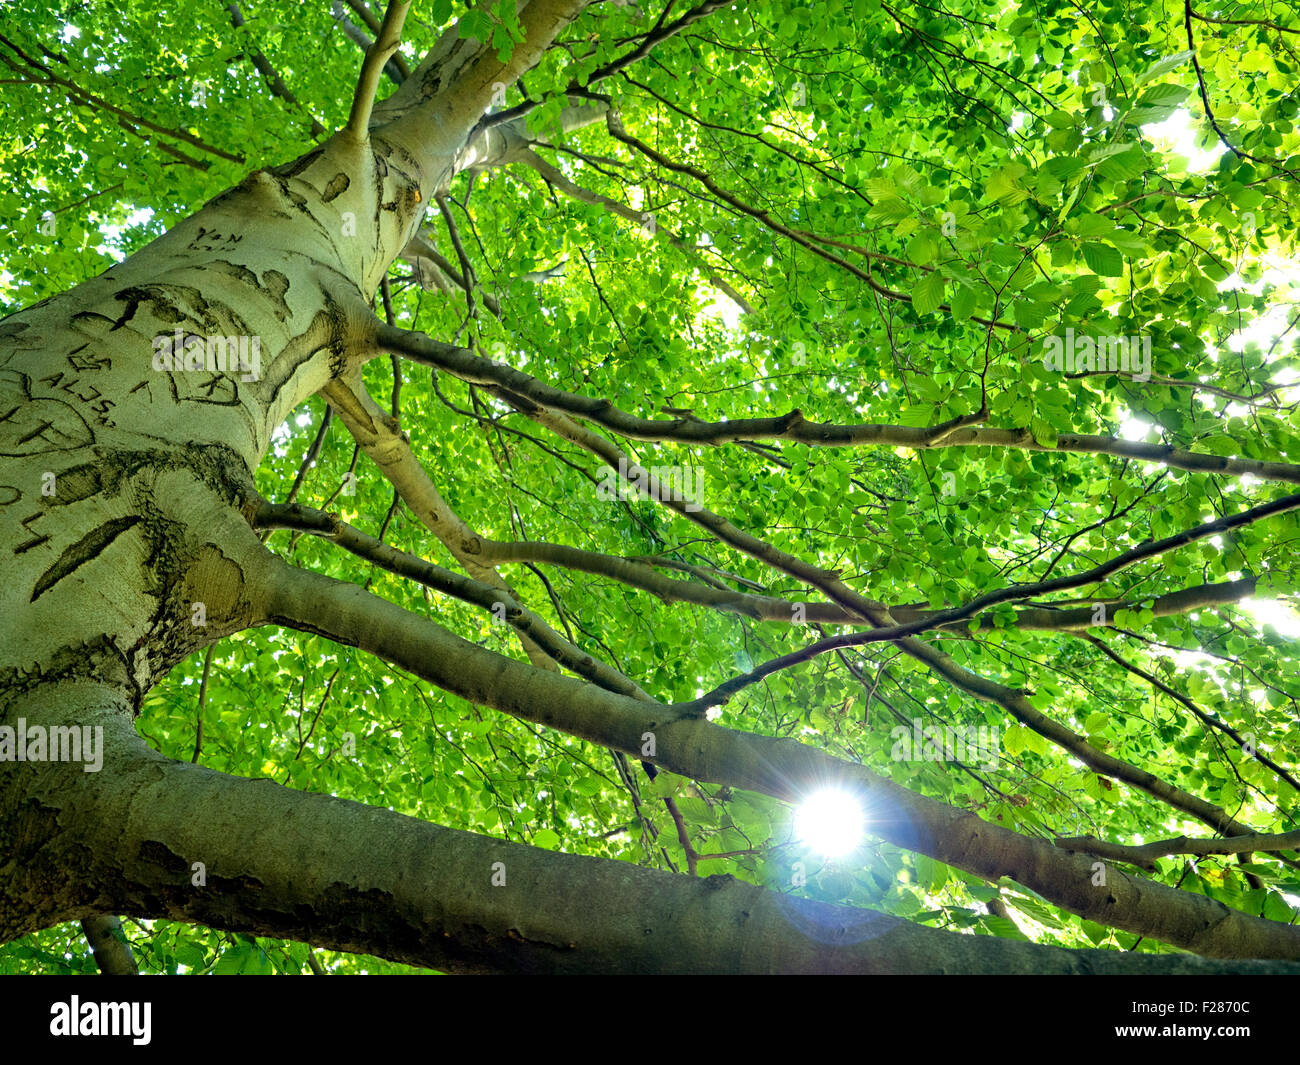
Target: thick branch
{"type": "Point", "coordinates": [955, 615]}
{"type": "Point", "coordinates": [378, 434]}
{"type": "Point", "coordinates": [781, 768]}
{"type": "Point", "coordinates": [109, 946]}
{"type": "Point", "coordinates": [386, 43]}
{"type": "Point", "coordinates": [349, 877]}
{"type": "Point", "coordinates": [640, 573]}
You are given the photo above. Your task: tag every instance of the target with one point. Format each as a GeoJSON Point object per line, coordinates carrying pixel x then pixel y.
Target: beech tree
{"type": "Point", "coordinates": [478, 485]}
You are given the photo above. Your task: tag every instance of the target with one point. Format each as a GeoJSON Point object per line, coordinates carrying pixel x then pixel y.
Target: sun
{"type": "Point", "coordinates": [830, 821]}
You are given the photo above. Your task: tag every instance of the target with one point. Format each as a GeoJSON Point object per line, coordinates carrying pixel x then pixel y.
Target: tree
{"type": "Point", "coordinates": [867, 400]}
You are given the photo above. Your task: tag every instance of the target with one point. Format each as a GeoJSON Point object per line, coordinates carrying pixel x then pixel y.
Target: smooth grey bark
{"type": "Point", "coordinates": [778, 767]}
{"type": "Point", "coordinates": [161, 838]}
{"type": "Point", "coordinates": [109, 946]}
{"type": "Point", "coordinates": [125, 489]}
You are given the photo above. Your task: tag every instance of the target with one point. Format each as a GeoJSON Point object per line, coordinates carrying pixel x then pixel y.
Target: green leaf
{"type": "Point", "coordinates": [922, 249]}
{"type": "Point", "coordinates": [546, 838]}
{"type": "Point", "coordinates": [1092, 225]}
{"type": "Point", "coordinates": [1095, 932]}
{"type": "Point", "coordinates": [928, 293]}
{"type": "Point", "coordinates": [1126, 165]}
{"type": "Point", "coordinates": [1164, 66]}
{"type": "Point", "coordinates": [1030, 315]}
{"type": "Point", "coordinates": [1163, 95]}
{"type": "Point", "coordinates": [474, 25]}
{"type": "Point", "coordinates": [1003, 927]}
{"type": "Point", "coordinates": [889, 211]}
{"type": "Point", "coordinates": [962, 303]}
{"type": "Point", "coordinates": [1013, 739]}
{"type": "Point", "coordinates": [1102, 259]}
{"type": "Point", "coordinates": [503, 44]}
{"type": "Point", "coordinates": [1005, 184]}
{"type": "Point", "coordinates": [1044, 431]}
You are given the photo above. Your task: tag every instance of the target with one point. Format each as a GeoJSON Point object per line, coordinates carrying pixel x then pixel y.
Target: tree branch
{"type": "Point", "coordinates": [782, 768]}
{"type": "Point", "coordinates": [348, 877]}
{"type": "Point", "coordinates": [271, 76]}
{"type": "Point", "coordinates": [1146, 854]}
{"type": "Point", "coordinates": [1014, 701]}
{"type": "Point", "coordinates": [386, 43]}
{"type": "Point", "coordinates": [496, 601]}
{"type": "Point", "coordinates": [463, 363]}
{"type": "Point", "coordinates": [617, 131]}
{"type": "Point", "coordinates": [109, 946]}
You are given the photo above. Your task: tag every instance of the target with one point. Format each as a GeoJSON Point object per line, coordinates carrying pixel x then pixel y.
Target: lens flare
{"type": "Point", "coordinates": [830, 822]}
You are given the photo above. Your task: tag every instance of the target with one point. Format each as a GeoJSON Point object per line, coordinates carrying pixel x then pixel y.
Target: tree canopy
{"type": "Point", "coordinates": [893, 398]}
